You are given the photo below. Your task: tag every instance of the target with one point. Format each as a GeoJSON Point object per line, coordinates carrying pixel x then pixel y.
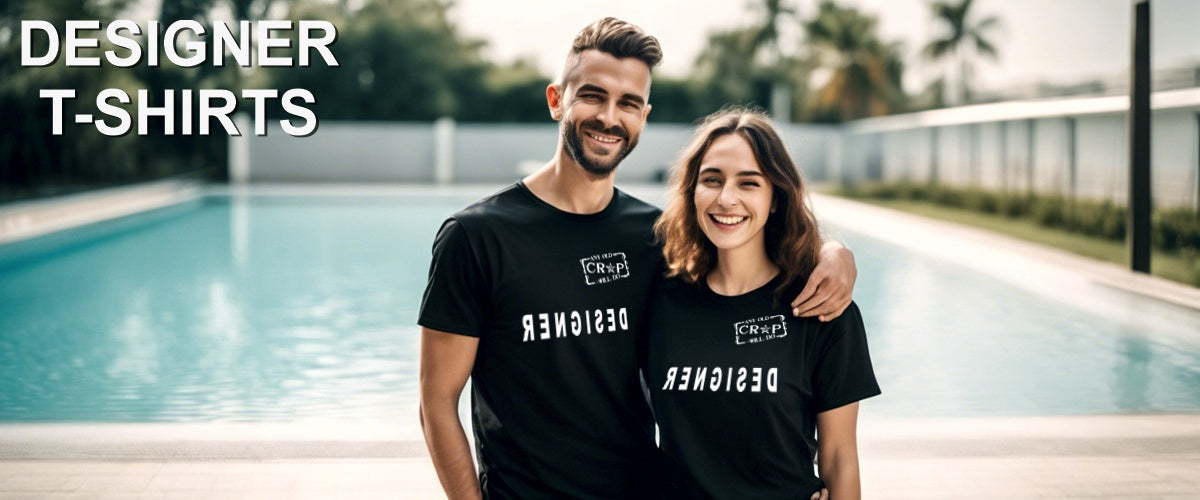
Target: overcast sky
{"type": "Point", "coordinates": [1042, 40]}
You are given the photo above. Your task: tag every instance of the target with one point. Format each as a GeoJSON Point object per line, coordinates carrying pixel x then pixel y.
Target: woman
{"type": "Point", "coordinates": [738, 384]}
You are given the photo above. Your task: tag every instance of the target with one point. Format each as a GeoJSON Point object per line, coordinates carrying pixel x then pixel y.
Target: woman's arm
{"type": "Point", "coordinates": [837, 451]}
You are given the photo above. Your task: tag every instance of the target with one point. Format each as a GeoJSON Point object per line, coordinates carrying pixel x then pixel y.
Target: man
{"type": "Point", "coordinates": [537, 292]}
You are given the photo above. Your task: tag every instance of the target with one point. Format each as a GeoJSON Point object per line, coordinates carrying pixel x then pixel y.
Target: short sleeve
{"type": "Point", "coordinates": [454, 300]}
{"type": "Point", "coordinates": [843, 369]}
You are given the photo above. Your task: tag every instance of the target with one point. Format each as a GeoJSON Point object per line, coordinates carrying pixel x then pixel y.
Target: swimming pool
{"type": "Point", "coordinates": [293, 308]}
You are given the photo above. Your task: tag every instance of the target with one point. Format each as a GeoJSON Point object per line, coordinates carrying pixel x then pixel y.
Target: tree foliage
{"type": "Point", "coordinates": [399, 60]}
{"type": "Point", "coordinates": [405, 60]}
{"type": "Point", "coordinates": [728, 70]}
{"type": "Point", "coordinates": [30, 157]}
{"type": "Point", "coordinates": [964, 38]}
{"type": "Point", "coordinates": [863, 74]}
{"type": "Point", "coordinates": [840, 71]}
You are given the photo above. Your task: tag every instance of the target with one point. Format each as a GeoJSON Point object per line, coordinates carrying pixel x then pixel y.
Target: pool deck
{"type": "Point", "coordinates": [1019, 262]}
{"type": "Point", "coordinates": [29, 219]}
{"type": "Point", "coordinates": [1093, 456]}
{"type": "Point", "coordinates": [1097, 456]}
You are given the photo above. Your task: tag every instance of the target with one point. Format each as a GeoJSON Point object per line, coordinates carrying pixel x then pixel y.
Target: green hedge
{"type": "Point", "coordinates": [1174, 229]}
{"type": "Point", "coordinates": [1177, 229]}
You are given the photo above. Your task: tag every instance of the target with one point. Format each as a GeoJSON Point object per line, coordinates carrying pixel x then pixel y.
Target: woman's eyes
{"type": "Point", "coordinates": [716, 181]}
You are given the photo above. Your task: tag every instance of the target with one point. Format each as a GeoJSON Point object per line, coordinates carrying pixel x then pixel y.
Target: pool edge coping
{"type": "Point", "coordinates": [882, 222]}
{"type": "Point", "coordinates": [31, 219]}
{"type": "Point", "coordinates": [1076, 435]}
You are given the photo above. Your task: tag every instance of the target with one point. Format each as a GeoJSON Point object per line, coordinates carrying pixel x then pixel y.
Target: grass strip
{"type": "Point", "coordinates": [1168, 265]}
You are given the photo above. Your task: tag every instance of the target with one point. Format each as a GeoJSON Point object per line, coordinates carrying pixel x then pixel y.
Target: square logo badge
{"type": "Point", "coordinates": [762, 329]}
{"type": "Point", "coordinates": [604, 268]}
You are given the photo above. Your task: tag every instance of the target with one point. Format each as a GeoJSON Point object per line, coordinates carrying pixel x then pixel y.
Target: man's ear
{"type": "Point", "coordinates": [646, 111]}
{"type": "Point", "coordinates": [554, 101]}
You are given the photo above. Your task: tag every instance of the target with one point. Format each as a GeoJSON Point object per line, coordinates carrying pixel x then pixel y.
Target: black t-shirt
{"type": "Point", "coordinates": [737, 383]}
{"type": "Point", "coordinates": [557, 300]}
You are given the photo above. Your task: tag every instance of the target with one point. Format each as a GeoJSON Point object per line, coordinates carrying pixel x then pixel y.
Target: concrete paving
{"type": "Point", "coordinates": [1100, 456]}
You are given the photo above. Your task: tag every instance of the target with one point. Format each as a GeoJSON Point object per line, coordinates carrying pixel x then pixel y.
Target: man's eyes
{"type": "Point", "coordinates": [627, 104]}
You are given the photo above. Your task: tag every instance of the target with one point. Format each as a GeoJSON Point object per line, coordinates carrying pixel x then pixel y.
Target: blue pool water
{"type": "Point", "coordinates": [275, 308]}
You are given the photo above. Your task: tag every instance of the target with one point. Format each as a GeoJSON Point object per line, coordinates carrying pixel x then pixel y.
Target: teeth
{"type": "Point", "coordinates": [728, 220]}
{"type": "Point", "coordinates": [604, 139]}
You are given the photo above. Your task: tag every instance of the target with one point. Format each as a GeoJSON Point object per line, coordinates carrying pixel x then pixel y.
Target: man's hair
{"type": "Point", "coordinates": [618, 39]}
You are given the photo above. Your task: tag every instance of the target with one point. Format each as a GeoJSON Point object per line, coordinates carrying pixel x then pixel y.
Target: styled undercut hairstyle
{"type": "Point", "coordinates": [792, 238]}
{"type": "Point", "coordinates": [616, 38]}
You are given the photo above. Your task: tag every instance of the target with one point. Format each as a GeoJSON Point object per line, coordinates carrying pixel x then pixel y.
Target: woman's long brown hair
{"type": "Point", "coordinates": [792, 237]}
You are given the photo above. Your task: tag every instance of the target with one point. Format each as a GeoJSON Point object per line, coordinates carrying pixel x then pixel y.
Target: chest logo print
{"type": "Point", "coordinates": [762, 329]}
{"type": "Point", "coordinates": [604, 268]}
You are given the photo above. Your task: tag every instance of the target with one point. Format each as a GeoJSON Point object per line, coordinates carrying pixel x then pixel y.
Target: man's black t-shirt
{"type": "Point", "coordinates": [737, 383]}
{"type": "Point", "coordinates": [557, 300]}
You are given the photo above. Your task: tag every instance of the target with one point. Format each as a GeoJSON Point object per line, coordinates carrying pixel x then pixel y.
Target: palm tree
{"type": "Point", "coordinates": [726, 65]}
{"type": "Point", "coordinates": [764, 36]}
{"type": "Point", "coordinates": [863, 73]}
{"type": "Point", "coordinates": [766, 31]}
{"type": "Point", "coordinates": [965, 38]}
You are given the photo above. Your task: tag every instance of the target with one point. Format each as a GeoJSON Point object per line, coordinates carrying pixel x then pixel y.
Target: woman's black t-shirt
{"type": "Point", "coordinates": [736, 384]}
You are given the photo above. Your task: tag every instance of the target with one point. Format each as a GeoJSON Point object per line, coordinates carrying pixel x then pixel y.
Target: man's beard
{"type": "Point", "coordinates": [574, 144]}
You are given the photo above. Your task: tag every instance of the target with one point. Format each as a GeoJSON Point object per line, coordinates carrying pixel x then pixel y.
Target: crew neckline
{"type": "Point", "coordinates": [605, 212]}
{"type": "Point", "coordinates": [764, 291]}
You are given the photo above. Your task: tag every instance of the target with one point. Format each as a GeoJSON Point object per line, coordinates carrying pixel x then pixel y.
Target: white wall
{"type": "Point", "coordinates": [481, 153]}
{"type": "Point", "coordinates": [987, 146]}
{"type": "Point", "coordinates": [345, 152]}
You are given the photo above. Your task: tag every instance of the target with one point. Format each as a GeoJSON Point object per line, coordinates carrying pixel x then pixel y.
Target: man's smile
{"type": "Point", "coordinates": [606, 139]}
